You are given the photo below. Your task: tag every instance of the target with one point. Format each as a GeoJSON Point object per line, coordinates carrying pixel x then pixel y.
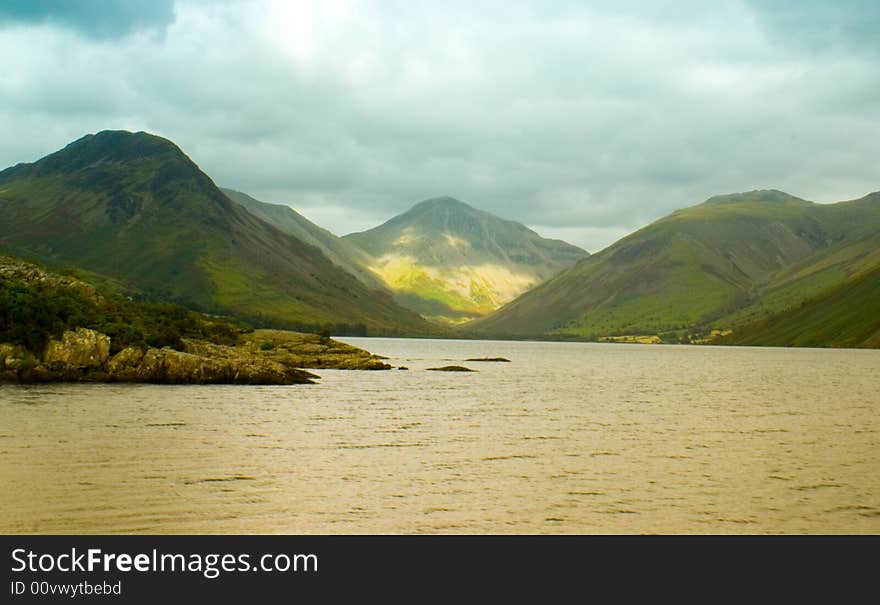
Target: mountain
{"type": "Point", "coordinates": [846, 315]}
{"type": "Point", "coordinates": [286, 219]}
{"type": "Point", "coordinates": [853, 248]}
{"type": "Point", "coordinates": [452, 262]}
{"type": "Point", "coordinates": [727, 262]}
{"type": "Point", "coordinates": [132, 207]}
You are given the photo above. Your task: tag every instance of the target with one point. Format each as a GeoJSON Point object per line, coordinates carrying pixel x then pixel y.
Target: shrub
{"type": "Point", "coordinates": [32, 313]}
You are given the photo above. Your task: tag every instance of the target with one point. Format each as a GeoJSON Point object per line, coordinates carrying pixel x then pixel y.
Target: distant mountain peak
{"type": "Point", "coordinates": [123, 144]}
{"type": "Point", "coordinates": [443, 205]}
{"type": "Point", "coordinates": [451, 261]}
{"type": "Point", "coordinates": [443, 201]}
{"type": "Point", "coordinates": [113, 146]}
{"type": "Point", "coordinates": [768, 196]}
{"type": "Point", "coordinates": [121, 135]}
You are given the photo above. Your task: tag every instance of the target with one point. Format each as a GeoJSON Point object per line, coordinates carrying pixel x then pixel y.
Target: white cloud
{"type": "Point", "coordinates": [584, 118]}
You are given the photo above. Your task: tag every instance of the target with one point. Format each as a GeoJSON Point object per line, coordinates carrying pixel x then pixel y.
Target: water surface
{"type": "Point", "coordinates": [567, 438]}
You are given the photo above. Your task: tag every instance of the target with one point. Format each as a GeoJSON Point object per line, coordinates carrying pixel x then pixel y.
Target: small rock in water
{"type": "Point", "coordinates": [504, 359]}
{"type": "Point", "coordinates": [403, 368]}
{"type": "Point", "coordinates": [451, 369]}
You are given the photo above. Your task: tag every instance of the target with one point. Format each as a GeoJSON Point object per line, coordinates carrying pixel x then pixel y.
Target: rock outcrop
{"type": "Point", "coordinates": [307, 351]}
{"type": "Point", "coordinates": [178, 367]}
{"type": "Point", "coordinates": [15, 362]}
{"type": "Point", "coordinates": [262, 357]}
{"type": "Point", "coordinates": [81, 349]}
{"type": "Point", "coordinates": [87, 355]}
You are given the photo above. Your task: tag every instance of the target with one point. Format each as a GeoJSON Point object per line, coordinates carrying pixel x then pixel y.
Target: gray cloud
{"type": "Point", "coordinates": [821, 26]}
{"type": "Point", "coordinates": [582, 120]}
{"type": "Point", "coordinates": [98, 18]}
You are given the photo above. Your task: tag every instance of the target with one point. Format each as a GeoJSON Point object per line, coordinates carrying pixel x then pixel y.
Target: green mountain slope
{"type": "Point", "coordinates": [725, 262]}
{"type": "Point", "coordinates": [134, 208]}
{"type": "Point", "coordinates": [452, 262]}
{"type": "Point", "coordinates": [853, 230]}
{"type": "Point", "coordinates": [286, 219]}
{"type": "Point", "coordinates": [847, 315]}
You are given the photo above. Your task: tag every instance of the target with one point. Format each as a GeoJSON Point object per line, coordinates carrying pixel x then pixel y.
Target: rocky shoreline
{"type": "Point", "coordinates": [269, 357]}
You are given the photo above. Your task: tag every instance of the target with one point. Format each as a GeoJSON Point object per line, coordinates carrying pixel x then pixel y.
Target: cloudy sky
{"type": "Point", "coordinates": [583, 120]}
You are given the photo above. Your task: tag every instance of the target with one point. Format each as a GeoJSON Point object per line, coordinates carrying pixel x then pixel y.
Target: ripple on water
{"type": "Point", "coordinates": [221, 479]}
{"type": "Point", "coordinates": [572, 438]}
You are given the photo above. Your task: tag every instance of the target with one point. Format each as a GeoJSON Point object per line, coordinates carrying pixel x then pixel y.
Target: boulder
{"type": "Point", "coordinates": [82, 349]}
{"type": "Point", "coordinates": [217, 365]}
{"type": "Point", "coordinates": [7, 351]}
{"type": "Point", "coordinates": [15, 362]}
{"type": "Point", "coordinates": [124, 365]}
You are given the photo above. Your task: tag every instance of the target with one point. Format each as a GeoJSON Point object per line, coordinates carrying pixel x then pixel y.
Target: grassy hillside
{"type": "Point", "coordinates": [723, 263]}
{"type": "Point", "coordinates": [853, 249]}
{"type": "Point", "coordinates": [36, 306]}
{"type": "Point", "coordinates": [135, 209]}
{"type": "Point", "coordinates": [286, 219]}
{"type": "Point", "coordinates": [452, 262]}
{"type": "Point", "coordinates": [847, 315]}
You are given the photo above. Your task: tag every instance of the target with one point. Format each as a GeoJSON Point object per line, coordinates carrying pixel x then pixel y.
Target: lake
{"type": "Point", "coordinates": [566, 438]}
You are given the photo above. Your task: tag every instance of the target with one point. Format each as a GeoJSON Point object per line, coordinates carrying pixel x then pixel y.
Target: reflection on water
{"type": "Point", "coordinates": [567, 438]}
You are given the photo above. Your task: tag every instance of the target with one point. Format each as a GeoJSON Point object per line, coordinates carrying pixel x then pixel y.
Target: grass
{"type": "Point", "coordinates": [847, 315]}
{"type": "Point", "coordinates": [685, 297]}
{"type": "Point", "coordinates": [450, 294]}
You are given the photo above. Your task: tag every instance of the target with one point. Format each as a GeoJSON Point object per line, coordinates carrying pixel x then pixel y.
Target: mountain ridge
{"type": "Point", "coordinates": [726, 262]}
{"type": "Point", "coordinates": [134, 207]}
{"type": "Point", "coordinates": [288, 220]}
{"type": "Point", "coordinates": [133, 210]}
{"type": "Point", "coordinates": [449, 260]}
